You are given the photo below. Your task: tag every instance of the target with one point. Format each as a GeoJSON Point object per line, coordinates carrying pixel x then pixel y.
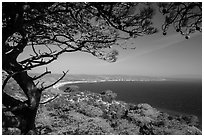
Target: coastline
{"type": "Point", "coordinates": [95, 81]}
{"type": "Point", "coordinates": [168, 111]}
{"type": "Point", "coordinates": [72, 82]}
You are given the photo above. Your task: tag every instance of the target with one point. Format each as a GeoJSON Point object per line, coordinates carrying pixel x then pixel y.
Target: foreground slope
{"type": "Point", "coordinates": [75, 112]}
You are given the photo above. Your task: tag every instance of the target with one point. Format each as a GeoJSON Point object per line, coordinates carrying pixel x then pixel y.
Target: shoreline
{"type": "Point", "coordinates": [71, 82]}
{"type": "Point", "coordinates": [168, 111]}
{"type": "Point", "coordinates": [95, 81]}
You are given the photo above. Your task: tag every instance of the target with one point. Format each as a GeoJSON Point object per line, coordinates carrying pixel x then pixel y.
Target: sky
{"type": "Point", "coordinates": [155, 55]}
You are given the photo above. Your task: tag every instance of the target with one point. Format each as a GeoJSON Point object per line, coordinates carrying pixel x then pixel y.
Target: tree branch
{"type": "Point", "coordinates": [9, 76]}
{"type": "Point", "coordinates": [34, 49]}
{"type": "Point", "coordinates": [35, 59]}
{"type": "Point", "coordinates": [64, 73]}
{"type": "Point", "coordinates": [46, 72]}
{"type": "Point", "coordinates": [49, 100]}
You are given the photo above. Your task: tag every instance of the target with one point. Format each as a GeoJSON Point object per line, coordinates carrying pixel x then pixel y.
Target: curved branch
{"type": "Point", "coordinates": [46, 72]}
{"type": "Point", "coordinates": [64, 74]}
{"type": "Point", "coordinates": [49, 100]}
{"type": "Point", "coordinates": [9, 76]}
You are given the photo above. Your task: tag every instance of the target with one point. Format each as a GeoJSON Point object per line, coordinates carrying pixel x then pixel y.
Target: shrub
{"type": "Point", "coordinates": [108, 96]}
{"type": "Point", "coordinates": [119, 110]}
{"type": "Point", "coordinates": [71, 88]}
{"type": "Point", "coordinates": [138, 119]}
{"type": "Point", "coordinates": [90, 111]}
{"type": "Point", "coordinates": [95, 126]}
{"type": "Point", "coordinates": [124, 127]}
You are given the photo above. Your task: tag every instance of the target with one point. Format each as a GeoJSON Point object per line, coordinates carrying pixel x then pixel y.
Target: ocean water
{"type": "Point", "coordinates": [184, 97]}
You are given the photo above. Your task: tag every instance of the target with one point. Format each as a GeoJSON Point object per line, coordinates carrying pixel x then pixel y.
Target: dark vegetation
{"type": "Point", "coordinates": [51, 29]}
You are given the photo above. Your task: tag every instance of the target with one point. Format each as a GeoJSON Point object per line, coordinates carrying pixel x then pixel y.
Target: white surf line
{"type": "Point", "coordinates": [56, 86]}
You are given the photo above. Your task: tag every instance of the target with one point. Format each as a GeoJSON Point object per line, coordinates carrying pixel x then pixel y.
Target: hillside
{"type": "Point", "coordinates": [82, 113]}
{"type": "Point", "coordinates": [76, 112]}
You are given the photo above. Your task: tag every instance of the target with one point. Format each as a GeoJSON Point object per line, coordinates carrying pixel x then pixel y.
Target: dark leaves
{"type": "Point", "coordinates": [184, 16]}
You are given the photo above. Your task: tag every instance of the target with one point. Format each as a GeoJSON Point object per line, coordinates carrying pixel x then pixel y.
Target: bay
{"type": "Point", "coordinates": [182, 97]}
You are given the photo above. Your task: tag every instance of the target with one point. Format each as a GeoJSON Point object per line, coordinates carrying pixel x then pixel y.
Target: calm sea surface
{"type": "Point", "coordinates": [173, 96]}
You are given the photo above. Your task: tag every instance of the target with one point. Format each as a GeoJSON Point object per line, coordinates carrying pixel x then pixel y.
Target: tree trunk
{"type": "Point", "coordinates": [24, 111]}
{"type": "Point", "coordinates": [33, 95]}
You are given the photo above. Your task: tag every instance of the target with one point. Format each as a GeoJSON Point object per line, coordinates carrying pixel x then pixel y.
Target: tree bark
{"type": "Point", "coordinates": [24, 111]}
{"type": "Point", "coordinates": [33, 95]}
